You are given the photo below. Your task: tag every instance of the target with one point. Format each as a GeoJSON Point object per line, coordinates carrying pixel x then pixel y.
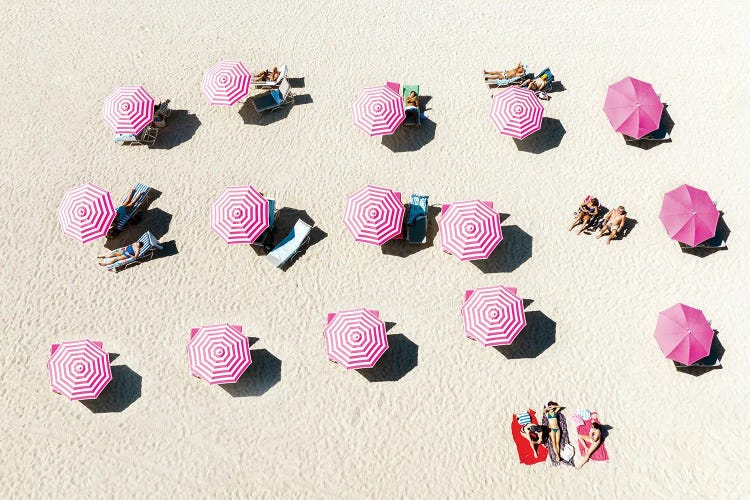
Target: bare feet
{"type": "Point", "coordinates": [581, 230]}
{"type": "Point", "coordinates": [599, 235]}
{"type": "Point", "coordinates": [609, 241]}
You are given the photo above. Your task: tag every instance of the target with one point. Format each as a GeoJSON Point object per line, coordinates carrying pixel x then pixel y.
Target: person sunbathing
{"type": "Point", "coordinates": [535, 83]}
{"type": "Point", "coordinates": [614, 221]}
{"type": "Point", "coordinates": [551, 411]}
{"type": "Point", "coordinates": [127, 205]}
{"type": "Point", "coordinates": [591, 442]}
{"type": "Point", "coordinates": [534, 434]}
{"type": "Point", "coordinates": [586, 211]}
{"type": "Point", "coordinates": [412, 100]}
{"type": "Point", "coordinates": [266, 75]}
{"type": "Point", "coordinates": [518, 71]}
{"type": "Point", "coordinates": [130, 251]}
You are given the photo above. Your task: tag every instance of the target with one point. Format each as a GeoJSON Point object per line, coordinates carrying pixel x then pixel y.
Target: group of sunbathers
{"type": "Point", "coordinates": [612, 224]}
{"type": "Point", "coordinates": [521, 77]}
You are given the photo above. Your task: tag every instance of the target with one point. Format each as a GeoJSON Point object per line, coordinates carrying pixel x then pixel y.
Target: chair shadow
{"type": "Point", "coordinates": [514, 250]}
{"type": "Point", "coordinates": [155, 220]}
{"type": "Point", "coordinates": [548, 137]}
{"type": "Point", "coordinates": [259, 378]}
{"type": "Point", "coordinates": [722, 233]}
{"type": "Point", "coordinates": [716, 353]}
{"type": "Point", "coordinates": [537, 337]}
{"type": "Point", "coordinates": [402, 248]}
{"type": "Point", "coordinates": [630, 224]}
{"type": "Point", "coordinates": [555, 87]}
{"type": "Point", "coordinates": [284, 221]}
{"type": "Point", "coordinates": [296, 83]}
{"type": "Point", "coordinates": [252, 117]}
{"type": "Point", "coordinates": [666, 123]}
{"type": "Point", "coordinates": [120, 393]}
{"type": "Point", "coordinates": [412, 138]}
{"type": "Point", "coordinates": [181, 127]}
{"type": "Point", "coordinates": [401, 357]}
{"type": "Point", "coordinates": [169, 248]}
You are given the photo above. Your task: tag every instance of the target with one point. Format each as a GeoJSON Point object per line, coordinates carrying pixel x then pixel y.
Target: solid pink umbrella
{"type": "Point", "coordinates": [517, 112]}
{"type": "Point", "coordinates": [683, 334]}
{"type": "Point", "coordinates": [689, 215]}
{"type": "Point", "coordinates": [633, 108]}
{"type": "Point", "coordinates": [240, 215]}
{"type": "Point", "coordinates": [128, 110]}
{"type": "Point", "coordinates": [86, 213]}
{"type": "Point", "coordinates": [79, 369]}
{"type": "Point", "coordinates": [493, 315]}
{"type": "Point", "coordinates": [226, 82]}
{"type": "Point", "coordinates": [470, 230]}
{"type": "Point", "coordinates": [219, 354]}
{"type": "Point", "coordinates": [378, 110]}
{"type": "Point", "coordinates": [355, 338]}
{"type": "Point", "coordinates": [374, 215]}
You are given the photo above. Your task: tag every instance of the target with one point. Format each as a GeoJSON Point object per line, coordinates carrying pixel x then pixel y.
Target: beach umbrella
{"type": "Point", "coordinates": [517, 112]}
{"type": "Point", "coordinates": [240, 215]}
{"type": "Point", "coordinates": [219, 354]}
{"type": "Point", "coordinates": [632, 107]}
{"type": "Point", "coordinates": [79, 369]}
{"type": "Point", "coordinates": [493, 315]}
{"type": "Point", "coordinates": [689, 215]}
{"type": "Point", "coordinates": [374, 215]}
{"type": "Point", "coordinates": [356, 338]}
{"type": "Point", "coordinates": [683, 334]}
{"type": "Point", "coordinates": [470, 230]}
{"type": "Point", "coordinates": [225, 83]}
{"type": "Point", "coordinates": [128, 110]}
{"type": "Point", "coordinates": [378, 110]}
{"type": "Point", "coordinates": [86, 212]}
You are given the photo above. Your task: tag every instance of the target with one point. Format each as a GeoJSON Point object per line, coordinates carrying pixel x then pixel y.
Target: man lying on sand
{"type": "Point", "coordinates": [614, 221]}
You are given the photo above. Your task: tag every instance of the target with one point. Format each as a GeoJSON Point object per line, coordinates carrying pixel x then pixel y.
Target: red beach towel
{"type": "Point", "coordinates": [525, 452]}
{"type": "Point", "coordinates": [600, 455]}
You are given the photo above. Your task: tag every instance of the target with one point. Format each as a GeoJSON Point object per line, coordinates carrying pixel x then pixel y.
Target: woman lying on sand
{"type": "Point", "coordinates": [586, 211]}
{"type": "Point", "coordinates": [534, 434]}
{"type": "Point", "coordinates": [519, 70]}
{"type": "Point", "coordinates": [551, 411]}
{"type": "Point", "coordinates": [129, 251]}
{"type": "Point", "coordinates": [591, 442]}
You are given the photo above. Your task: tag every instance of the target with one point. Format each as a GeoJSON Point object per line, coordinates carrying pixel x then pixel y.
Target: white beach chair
{"type": "Point", "coordinates": [146, 137]}
{"type": "Point", "coordinates": [289, 246]}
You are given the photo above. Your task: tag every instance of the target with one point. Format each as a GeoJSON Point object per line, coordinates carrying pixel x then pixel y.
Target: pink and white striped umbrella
{"type": "Point", "coordinates": [226, 82]}
{"type": "Point", "coordinates": [79, 369]}
{"type": "Point", "coordinates": [374, 215]}
{"type": "Point", "coordinates": [355, 338]}
{"type": "Point", "coordinates": [219, 354]}
{"type": "Point", "coordinates": [689, 215]}
{"type": "Point", "coordinates": [86, 212]}
{"type": "Point", "coordinates": [493, 315]}
{"type": "Point", "coordinates": [470, 230]}
{"type": "Point", "coordinates": [683, 334]}
{"type": "Point", "coordinates": [128, 110]}
{"type": "Point", "coordinates": [378, 111]}
{"type": "Point", "coordinates": [517, 112]}
{"type": "Point", "coordinates": [240, 215]}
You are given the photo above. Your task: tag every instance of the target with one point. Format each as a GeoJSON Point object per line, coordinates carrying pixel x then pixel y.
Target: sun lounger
{"type": "Point", "coordinates": [413, 113]}
{"type": "Point", "coordinates": [264, 237]}
{"type": "Point", "coordinates": [273, 99]}
{"type": "Point", "coordinates": [416, 222]}
{"type": "Point", "coordinates": [150, 246]}
{"type": "Point", "coordinates": [394, 86]}
{"type": "Point", "coordinates": [141, 197]}
{"type": "Point", "coordinates": [163, 109]}
{"type": "Point", "coordinates": [289, 246]}
{"type": "Point", "coordinates": [283, 70]}
{"type": "Point", "coordinates": [146, 137]}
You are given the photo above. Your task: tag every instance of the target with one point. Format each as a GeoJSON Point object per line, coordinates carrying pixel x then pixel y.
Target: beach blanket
{"type": "Point", "coordinates": [525, 451]}
{"type": "Point", "coordinates": [564, 439]}
{"type": "Point", "coordinates": [600, 455]}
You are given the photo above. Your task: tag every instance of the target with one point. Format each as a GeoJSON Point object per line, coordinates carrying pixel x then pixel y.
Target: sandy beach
{"type": "Point", "coordinates": [434, 421]}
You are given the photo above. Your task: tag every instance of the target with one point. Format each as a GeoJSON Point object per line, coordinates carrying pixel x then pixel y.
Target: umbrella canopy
{"type": "Point", "coordinates": [240, 215]}
{"type": "Point", "coordinates": [355, 338]}
{"type": "Point", "coordinates": [128, 109]}
{"type": "Point", "coordinates": [683, 334]}
{"type": "Point", "coordinates": [632, 107]}
{"type": "Point", "coordinates": [219, 354]}
{"type": "Point", "coordinates": [378, 111]}
{"type": "Point", "coordinates": [470, 230]}
{"type": "Point", "coordinates": [225, 83]}
{"type": "Point", "coordinates": [86, 213]}
{"type": "Point", "coordinates": [689, 215]}
{"type": "Point", "coordinates": [79, 369]}
{"type": "Point", "coordinates": [493, 315]}
{"type": "Point", "coordinates": [517, 112]}
{"type": "Point", "coordinates": [374, 215]}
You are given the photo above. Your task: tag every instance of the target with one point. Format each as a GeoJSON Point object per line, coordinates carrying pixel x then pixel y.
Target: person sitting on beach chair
{"type": "Point", "coordinates": [586, 211]}
{"type": "Point", "coordinates": [614, 222]}
{"type": "Point", "coordinates": [539, 83]}
{"type": "Point", "coordinates": [125, 211]}
{"type": "Point", "coordinates": [267, 76]}
{"type": "Point", "coordinates": [128, 252]}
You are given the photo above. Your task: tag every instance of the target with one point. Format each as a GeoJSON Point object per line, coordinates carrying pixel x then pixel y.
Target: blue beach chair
{"type": "Point", "coordinates": [264, 237]}
{"type": "Point", "coordinates": [150, 246]}
{"type": "Point", "coordinates": [289, 246]}
{"type": "Point", "coordinates": [273, 99]}
{"type": "Point", "coordinates": [416, 222]}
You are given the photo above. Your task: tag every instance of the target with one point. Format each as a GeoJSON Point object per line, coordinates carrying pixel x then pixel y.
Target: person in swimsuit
{"type": "Point", "coordinates": [590, 442]}
{"type": "Point", "coordinates": [551, 411]}
{"type": "Point", "coordinates": [586, 211]}
{"type": "Point", "coordinates": [127, 205]}
{"type": "Point", "coordinates": [534, 434]}
{"type": "Point", "coordinates": [614, 221]}
{"type": "Point", "coordinates": [130, 251]}
{"type": "Point", "coordinates": [266, 75]}
{"type": "Point", "coordinates": [518, 71]}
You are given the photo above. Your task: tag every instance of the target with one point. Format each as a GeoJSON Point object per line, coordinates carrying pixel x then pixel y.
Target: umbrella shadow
{"type": "Point", "coordinates": [120, 393]}
{"type": "Point", "coordinates": [402, 247]}
{"type": "Point", "coordinates": [181, 127]}
{"type": "Point", "coordinates": [538, 336]}
{"type": "Point", "coordinates": [514, 250]}
{"type": "Point", "coordinates": [259, 378]}
{"type": "Point", "coordinates": [665, 129]}
{"type": "Point", "coordinates": [401, 357]}
{"type": "Point", "coordinates": [284, 221]}
{"type": "Point", "coordinates": [409, 137]}
{"type": "Point", "coordinates": [548, 137]}
{"type": "Point", "coordinates": [713, 358]}
{"type": "Point", "coordinates": [714, 244]}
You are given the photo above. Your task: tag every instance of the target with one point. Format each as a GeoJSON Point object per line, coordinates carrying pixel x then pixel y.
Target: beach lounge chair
{"type": "Point", "coordinates": [715, 243]}
{"type": "Point", "coordinates": [259, 84]}
{"type": "Point", "coordinates": [163, 109]}
{"type": "Point", "coordinates": [289, 246]}
{"type": "Point", "coordinates": [416, 222]}
{"type": "Point", "coordinates": [542, 93]}
{"type": "Point", "coordinates": [265, 236]}
{"type": "Point", "coordinates": [273, 99]}
{"type": "Point", "coordinates": [150, 246]}
{"type": "Point", "coordinates": [147, 137]}
{"type": "Point", "coordinates": [505, 82]}
{"type": "Point", "coordinates": [413, 114]}
{"type": "Point", "coordinates": [394, 86]}
{"type": "Point", "coordinates": [141, 195]}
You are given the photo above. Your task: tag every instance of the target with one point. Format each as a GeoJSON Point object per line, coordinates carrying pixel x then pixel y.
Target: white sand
{"type": "Point", "coordinates": [443, 430]}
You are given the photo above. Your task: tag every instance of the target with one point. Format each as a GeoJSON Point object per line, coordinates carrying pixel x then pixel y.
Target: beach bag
{"type": "Point", "coordinates": [567, 452]}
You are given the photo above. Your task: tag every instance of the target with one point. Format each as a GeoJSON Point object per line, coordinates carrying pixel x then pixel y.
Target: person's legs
{"type": "Point", "coordinates": [576, 221]}
{"type": "Point", "coordinates": [111, 260]}
{"type": "Point", "coordinates": [129, 200]}
{"type": "Point", "coordinates": [556, 443]}
{"type": "Point", "coordinates": [612, 235]}
{"type": "Point", "coordinates": [585, 220]}
{"type": "Point", "coordinates": [604, 230]}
